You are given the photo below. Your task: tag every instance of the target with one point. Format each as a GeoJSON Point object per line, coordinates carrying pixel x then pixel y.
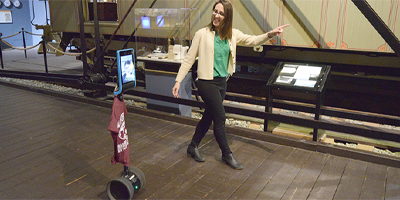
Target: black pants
{"type": "Point", "coordinates": [213, 93]}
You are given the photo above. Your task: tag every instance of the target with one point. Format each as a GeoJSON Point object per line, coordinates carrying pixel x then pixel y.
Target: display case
{"type": "Point", "coordinates": [162, 40]}
{"type": "Point", "coordinates": [161, 31]}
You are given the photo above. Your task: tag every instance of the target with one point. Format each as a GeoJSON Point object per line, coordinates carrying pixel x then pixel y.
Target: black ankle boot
{"type": "Point", "coordinates": [231, 161]}
{"type": "Point", "coordinates": [193, 151]}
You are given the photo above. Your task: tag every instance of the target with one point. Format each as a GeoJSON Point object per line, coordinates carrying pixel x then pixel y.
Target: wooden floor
{"type": "Point", "coordinates": [53, 148]}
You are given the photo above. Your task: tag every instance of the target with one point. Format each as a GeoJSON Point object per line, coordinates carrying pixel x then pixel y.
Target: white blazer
{"type": "Point", "coordinates": [203, 48]}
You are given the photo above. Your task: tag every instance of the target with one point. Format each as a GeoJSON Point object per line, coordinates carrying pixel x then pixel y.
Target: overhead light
{"type": "Point", "coordinates": [7, 3]}
{"type": "Point", "coordinates": [16, 3]}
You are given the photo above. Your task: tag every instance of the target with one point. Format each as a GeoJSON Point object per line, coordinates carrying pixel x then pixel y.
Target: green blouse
{"type": "Point", "coordinates": [221, 56]}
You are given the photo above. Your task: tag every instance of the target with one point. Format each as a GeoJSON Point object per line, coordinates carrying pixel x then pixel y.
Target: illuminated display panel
{"type": "Point", "coordinates": [301, 75]}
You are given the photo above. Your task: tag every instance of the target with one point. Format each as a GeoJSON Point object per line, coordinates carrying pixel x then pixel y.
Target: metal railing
{"type": "Point", "coordinates": [354, 129]}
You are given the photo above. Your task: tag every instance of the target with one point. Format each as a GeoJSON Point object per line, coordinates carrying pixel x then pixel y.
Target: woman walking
{"type": "Point", "coordinates": [215, 47]}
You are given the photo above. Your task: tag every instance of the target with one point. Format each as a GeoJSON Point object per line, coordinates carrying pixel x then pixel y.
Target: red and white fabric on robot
{"type": "Point", "coordinates": [119, 132]}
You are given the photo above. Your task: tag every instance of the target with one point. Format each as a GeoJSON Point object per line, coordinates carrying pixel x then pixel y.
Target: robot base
{"type": "Point", "coordinates": [131, 181]}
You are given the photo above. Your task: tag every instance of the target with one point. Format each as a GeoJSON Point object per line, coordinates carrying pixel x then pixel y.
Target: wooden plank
{"type": "Point", "coordinates": [393, 183]}
{"type": "Point", "coordinates": [32, 115]}
{"type": "Point", "coordinates": [25, 101]}
{"type": "Point", "coordinates": [172, 181]}
{"type": "Point", "coordinates": [67, 159]}
{"type": "Point", "coordinates": [81, 133]}
{"type": "Point", "coordinates": [19, 110]}
{"type": "Point", "coordinates": [156, 144]}
{"type": "Point", "coordinates": [184, 171]}
{"type": "Point", "coordinates": [212, 175]}
{"type": "Point", "coordinates": [67, 155]}
{"type": "Point", "coordinates": [25, 133]}
{"type": "Point", "coordinates": [9, 92]}
{"type": "Point", "coordinates": [304, 181]}
{"type": "Point", "coordinates": [329, 179]}
{"type": "Point", "coordinates": [24, 139]}
{"type": "Point", "coordinates": [164, 144]}
{"type": "Point", "coordinates": [74, 176]}
{"type": "Point", "coordinates": [35, 183]}
{"type": "Point", "coordinates": [80, 178]}
{"type": "Point", "coordinates": [164, 167]}
{"type": "Point", "coordinates": [277, 186]}
{"type": "Point", "coordinates": [152, 171]}
{"type": "Point", "coordinates": [72, 131]}
{"type": "Point", "coordinates": [255, 183]}
{"type": "Point", "coordinates": [51, 131]}
{"type": "Point", "coordinates": [252, 155]}
{"type": "Point", "coordinates": [18, 118]}
{"type": "Point", "coordinates": [23, 163]}
{"type": "Point", "coordinates": [70, 159]}
{"type": "Point", "coordinates": [12, 96]}
{"type": "Point", "coordinates": [31, 150]}
{"type": "Point", "coordinates": [76, 170]}
{"type": "Point", "coordinates": [352, 180]}
{"type": "Point", "coordinates": [375, 182]}
{"type": "Point", "coordinates": [65, 171]}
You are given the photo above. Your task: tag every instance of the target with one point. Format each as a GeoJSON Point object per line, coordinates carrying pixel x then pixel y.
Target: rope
{"type": "Point", "coordinates": [11, 35]}
{"type": "Point", "coordinates": [20, 48]}
{"type": "Point", "coordinates": [19, 33]}
{"type": "Point", "coordinates": [33, 33]}
{"type": "Point", "coordinates": [70, 54]}
{"type": "Point", "coordinates": [31, 47]}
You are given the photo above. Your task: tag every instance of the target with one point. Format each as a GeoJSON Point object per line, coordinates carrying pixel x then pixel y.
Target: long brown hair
{"type": "Point", "coordinates": [225, 32]}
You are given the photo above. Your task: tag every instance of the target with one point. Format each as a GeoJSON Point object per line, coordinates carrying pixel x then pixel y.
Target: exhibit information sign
{"type": "Point", "coordinates": [299, 75]}
{"type": "Point", "coordinates": [5, 16]}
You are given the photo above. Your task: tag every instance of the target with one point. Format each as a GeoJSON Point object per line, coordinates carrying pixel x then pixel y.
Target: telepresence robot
{"type": "Point", "coordinates": [132, 179]}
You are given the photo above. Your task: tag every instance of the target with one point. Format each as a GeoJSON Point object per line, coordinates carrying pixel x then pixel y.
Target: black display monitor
{"type": "Point", "coordinates": [301, 75]}
{"type": "Point", "coordinates": [126, 70]}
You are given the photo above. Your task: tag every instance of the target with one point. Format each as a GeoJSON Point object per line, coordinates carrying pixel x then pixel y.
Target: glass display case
{"type": "Point", "coordinates": [163, 38]}
{"type": "Point", "coordinates": [165, 33]}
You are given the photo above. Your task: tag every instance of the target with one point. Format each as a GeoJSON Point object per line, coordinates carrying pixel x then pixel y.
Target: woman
{"type": "Point", "coordinates": [215, 47]}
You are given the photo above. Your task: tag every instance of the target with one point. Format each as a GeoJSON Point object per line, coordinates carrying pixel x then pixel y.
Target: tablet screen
{"type": "Point", "coordinates": [126, 70]}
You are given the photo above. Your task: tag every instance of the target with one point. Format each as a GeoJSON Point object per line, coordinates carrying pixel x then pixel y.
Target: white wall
{"type": "Point", "coordinates": [40, 17]}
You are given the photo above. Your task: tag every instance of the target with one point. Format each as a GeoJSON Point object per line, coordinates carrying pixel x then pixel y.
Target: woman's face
{"type": "Point", "coordinates": [218, 16]}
